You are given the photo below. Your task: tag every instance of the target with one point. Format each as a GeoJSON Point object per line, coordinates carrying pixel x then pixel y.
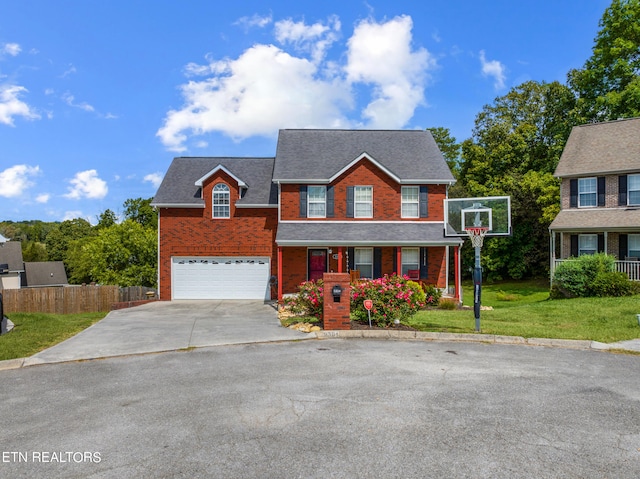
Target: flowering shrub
{"type": "Point", "coordinates": [394, 297]}
{"type": "Point", "coordinates": [309, 300]}
{"type": "Point", "coordinates": [432, 295]}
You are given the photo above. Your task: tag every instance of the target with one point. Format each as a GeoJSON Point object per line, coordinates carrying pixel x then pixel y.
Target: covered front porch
{"type": "Point", "coordinates": [305, 251]}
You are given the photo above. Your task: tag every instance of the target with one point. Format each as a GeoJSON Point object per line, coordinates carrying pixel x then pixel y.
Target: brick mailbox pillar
{"type": "Point", "coordinates": [337, 310]}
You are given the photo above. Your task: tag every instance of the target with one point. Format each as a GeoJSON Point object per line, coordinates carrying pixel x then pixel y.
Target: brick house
{"type": "Point", "coordinates": [368, 202]}
{"type": "Point", "coordinates": [600, 194]}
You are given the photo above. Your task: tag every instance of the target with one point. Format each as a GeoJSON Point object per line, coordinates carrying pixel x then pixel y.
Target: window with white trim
{"type": "Point", "coordinates": [221, 201]}
{"type": "Point", "coordinates": [634, 246]}
{"type": "Point", "coordinates": [587, 244]}
{"type": "Point", "coordinates": [363, 261]}
{"type": "Point", "coordinates": [633, 190]}
{"type": "Point", "coordinates": [363, 201]}
{"type": "Point", "coordinates": [410, 201]}
{"type": "Point", "coordinates": [410, 259]}
{"type": "Point", "coordinates": [587, 192]}
{"type": "Point", "coordinates": [317, 201]}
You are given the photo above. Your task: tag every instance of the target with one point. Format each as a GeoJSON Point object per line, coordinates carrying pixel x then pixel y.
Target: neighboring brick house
{"type": "Point", "coordinates": [369, 201]}
{"type": "Point", "coordinates": [600, 194]}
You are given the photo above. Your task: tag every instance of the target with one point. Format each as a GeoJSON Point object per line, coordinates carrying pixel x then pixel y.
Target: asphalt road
{"type": "Point", "coordinates": [327, 409]}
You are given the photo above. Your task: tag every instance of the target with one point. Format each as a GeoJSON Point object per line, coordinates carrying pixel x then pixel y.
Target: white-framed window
{"type": "Point", "coordinates": [587, 244]}
{"type": "Point", "coordinates": [221, 201]}
{"type": "Point", "coordinates": [363, 261]}
{"type": "Point", "coordinates": [317, 201]}
{"type": "Point", "coordinates": [410, 201]}
{"type": "Point", "coordinates": [633, 190]}
{"type": "Point", "coordinates": [363, 201]}
{"type": "Point", "coordinates": [587, 192]}
{"type": "Point", "coordinates": [634, 246]}
{"type": "Point", "coordinates": [410, 260]}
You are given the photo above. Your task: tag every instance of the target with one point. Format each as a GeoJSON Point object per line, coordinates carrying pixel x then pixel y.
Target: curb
{"type": "Point", "coordinates": [394, 335]}
{"type": "Point", "coordinates": [468, 338]}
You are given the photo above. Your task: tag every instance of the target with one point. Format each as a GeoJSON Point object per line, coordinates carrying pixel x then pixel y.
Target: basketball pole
{"type": "Point", "coordinates": [477, 279]}
{"type": "Point", "coordinates": [477, 288]}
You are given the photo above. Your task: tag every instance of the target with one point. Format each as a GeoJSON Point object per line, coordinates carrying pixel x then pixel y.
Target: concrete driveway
{"type": "Point", "coordinates": [169, 326]}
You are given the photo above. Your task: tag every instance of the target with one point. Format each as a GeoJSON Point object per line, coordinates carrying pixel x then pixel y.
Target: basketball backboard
{"type": "Point", "coordinates": [492, 212]}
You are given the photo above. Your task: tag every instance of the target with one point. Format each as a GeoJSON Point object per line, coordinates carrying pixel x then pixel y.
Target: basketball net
{"type": "Point", "coordinates": [476, 235]}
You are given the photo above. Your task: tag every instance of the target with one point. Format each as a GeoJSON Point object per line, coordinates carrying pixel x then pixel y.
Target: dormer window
{"type": "Point", "coordinates": [221, 201]}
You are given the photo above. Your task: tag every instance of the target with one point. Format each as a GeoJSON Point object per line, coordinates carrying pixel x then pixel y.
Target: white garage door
{"type": "Point", "coordinates": [221, 278]}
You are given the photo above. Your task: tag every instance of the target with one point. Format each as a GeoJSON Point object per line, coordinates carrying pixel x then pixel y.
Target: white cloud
{"type": "Point", "coordinates": [69, 99]}
{"type": "Point", "coordinates": [254, 21]}
{"type": "Point", "coordinates": [12, 49]}
{"type": "Point", "coordinates": [154, 178]}
{"type": "Point", "coordinates": [241, 104]}
{"type": "Point", "coordinates": [16, 179]}
{"type": "Point", "coordinates": [495, 69]}
{"type": "Point", "coordinates": [69, 71]}
{"type": "Point", "coordinates": [380, 54]}
{"type": "Point", "coordinates": [87, 184]}
{"type": "Point", "coordinates": [11, 105]}
{"type": "Point", "coordinates": [302, 88]}
{"type": "Point", "coordinates": [43, 198]}
{"type": "Point", "coordinates": [314, 39]}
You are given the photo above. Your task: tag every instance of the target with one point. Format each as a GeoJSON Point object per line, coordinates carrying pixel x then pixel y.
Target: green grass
{"type": "Point", "coordinates": [34, 332]}
{"type": "Point", "coordinates": [523, 309]}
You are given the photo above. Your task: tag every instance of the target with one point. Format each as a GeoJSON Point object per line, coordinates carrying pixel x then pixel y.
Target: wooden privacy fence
{"type": "Point", "coordinates": [69, 299]}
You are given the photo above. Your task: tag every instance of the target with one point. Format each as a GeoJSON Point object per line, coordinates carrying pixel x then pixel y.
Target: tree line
{"type": "Point", "coordinates": [517, 141]}
{"type": "Point", "coordinates": [111, 252]}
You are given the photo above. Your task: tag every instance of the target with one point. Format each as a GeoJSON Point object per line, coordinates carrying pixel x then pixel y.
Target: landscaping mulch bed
{"type": "Point", "coordinates": [399, 327]}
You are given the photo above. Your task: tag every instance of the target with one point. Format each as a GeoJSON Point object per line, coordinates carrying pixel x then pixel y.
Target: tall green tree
{"type": "Point", "coordinates": [141, 211]}
{"type": "Point", "coordinates": [60, 239]}
{"type": "Point", "coordinates": [608, 85]}
{"type": "Point", "coordinates": [515, 147]}
{"type": "Point", "coordinates": [449, 147]}
{"type": "Point", "coordinates": [124, 254]}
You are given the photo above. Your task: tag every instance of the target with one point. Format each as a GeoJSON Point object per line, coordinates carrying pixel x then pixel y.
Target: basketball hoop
{"type": "Point", "coordinates": [477, 234]}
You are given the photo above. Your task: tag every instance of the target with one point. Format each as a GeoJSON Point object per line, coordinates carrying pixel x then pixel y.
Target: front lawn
{"type": "Point", "coordinates": [523, 309]}
{"type": "Point", "coordinates": [34, 332]}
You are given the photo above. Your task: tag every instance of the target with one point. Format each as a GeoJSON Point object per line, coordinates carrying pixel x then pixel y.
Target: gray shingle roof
{"type": "Point", "coordinates": [601, 148]}
{"type": "Point", "coordinates": [178, 186]}
{"type": "Point", "coordinates": [318, 155]}
{"type": "Point", "coordinates": [45, 273]}
{"type": "Point", "coordinates": [364, 233]}
{"type": "Point", "coordinates": [597, 219]}
{"type": "Point", "coordinates": [11, 254]}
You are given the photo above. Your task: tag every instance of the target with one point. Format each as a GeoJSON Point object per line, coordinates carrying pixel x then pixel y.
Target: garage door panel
{"type": "Point", "coordinates": [221, 278]}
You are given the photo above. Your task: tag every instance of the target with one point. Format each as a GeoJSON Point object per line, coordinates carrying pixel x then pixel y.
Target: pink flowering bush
{"type": "Point", "coordinates": [394, 297]}
{"type": "Point", "coordinates": [309, 300]}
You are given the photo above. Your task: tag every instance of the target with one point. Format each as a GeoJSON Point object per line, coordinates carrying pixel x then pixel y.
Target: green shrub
{"type": "Point", "coordinates": [394, 297]}
{"type": "Point", "coordinates": [612, 283]}
{"type": "Point", "coordinates": [590, 275]}
{"type": "Point", "coordinates": [432, 295]}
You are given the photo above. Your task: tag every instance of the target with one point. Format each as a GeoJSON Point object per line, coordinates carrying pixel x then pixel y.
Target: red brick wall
{"type": "Point", "coordinates": [386, 196]}
{"type": "Point", "coordinates": [193, 232]}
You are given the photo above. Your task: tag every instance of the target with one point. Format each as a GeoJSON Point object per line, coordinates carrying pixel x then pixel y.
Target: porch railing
{"type": "Point", "coordinates": [630, 268]}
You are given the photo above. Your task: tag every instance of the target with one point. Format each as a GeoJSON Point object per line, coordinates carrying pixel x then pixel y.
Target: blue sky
{"type": "Point", "coordinates": [97, 97]}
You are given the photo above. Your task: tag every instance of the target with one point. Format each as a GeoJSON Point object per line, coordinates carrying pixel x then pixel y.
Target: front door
{"type": "Point", "coordinates": [317, 263]}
